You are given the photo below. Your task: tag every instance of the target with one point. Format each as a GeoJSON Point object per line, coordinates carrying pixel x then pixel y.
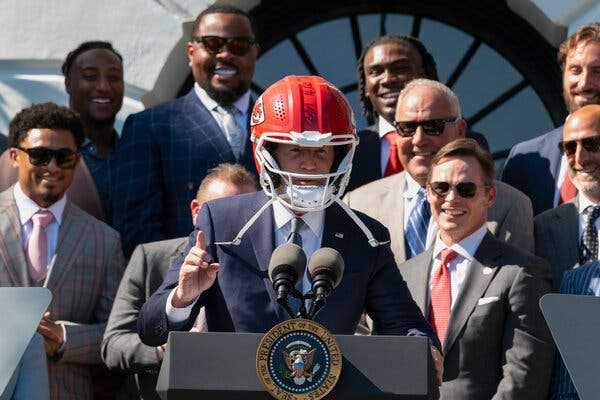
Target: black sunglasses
{"type": "Point", "coordinates": [466, 190]}
{"type": "Point", "coordinates": [431, 127]}
{"type": "Point", "coordinates": [40, 156]}
{"type": "Point", "coordinates": [591, 145]}
{"type": "Point", "coordinates": [239, 46]}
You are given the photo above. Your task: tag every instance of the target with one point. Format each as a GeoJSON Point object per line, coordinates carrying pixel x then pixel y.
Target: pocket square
{"type": "Point", "coordinates": [486, 300]}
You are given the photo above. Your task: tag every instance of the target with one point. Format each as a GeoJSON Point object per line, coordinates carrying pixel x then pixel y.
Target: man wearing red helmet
{"type": "Point", "coordinates": [304, 139]}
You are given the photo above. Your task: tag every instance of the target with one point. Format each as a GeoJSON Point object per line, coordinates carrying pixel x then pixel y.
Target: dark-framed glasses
{"type": "Point", "coordinates": [40, 156]}
{"type": "Point", "coordinates": [431, 127]}
{"type": "Point", "coordinates": [590, 144]}
{"type": "Point", "coordinates": [465, 190]}
{"type": "Point", "coordinates": [239, 46]}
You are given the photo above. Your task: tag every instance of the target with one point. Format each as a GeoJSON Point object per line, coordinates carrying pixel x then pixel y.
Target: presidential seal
{"type": "Point", "coordinates": [298, 359]}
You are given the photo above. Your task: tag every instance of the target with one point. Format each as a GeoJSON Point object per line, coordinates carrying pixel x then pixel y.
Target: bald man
{"type": "Point", "coordinates": [567, 236]}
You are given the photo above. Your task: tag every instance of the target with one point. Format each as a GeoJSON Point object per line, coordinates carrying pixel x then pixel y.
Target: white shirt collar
{"type": "Point", "coordinates": [412, 187]}
{"type": "Point", "coordinates": [240, 104]}
{"type": "Point", "coordinates": [28, 207]}
{"type": "Point", "coordinates": [384, 126]}
{"type": "Point", "coordinates": [584, 203]}
{"type": "Point", "coordinates": [313, 219]}
{"type": "Point", "coordinates": [466, 247]}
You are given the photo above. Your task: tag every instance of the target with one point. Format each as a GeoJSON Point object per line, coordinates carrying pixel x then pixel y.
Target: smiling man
{"type": "Point", "coordinates": [166, 151]}
{"type": "Point", "coordinates": [567, 236]}
{"type": "Point", "coordinates": [537, 167]}
{"type": "Point", "coordinates": [428, 117]}
{"type": "Point", "coordinates": [45, 240]}
{"type": "Point", "coordinates": [480, 294]}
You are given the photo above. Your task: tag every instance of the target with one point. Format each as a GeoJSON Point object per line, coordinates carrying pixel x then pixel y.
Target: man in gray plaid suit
{"type": "Point", "coordinates": [45, 240]}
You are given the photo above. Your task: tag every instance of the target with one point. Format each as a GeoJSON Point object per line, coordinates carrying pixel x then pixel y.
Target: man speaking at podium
{"type": "Point", "coordinates": [304, 139]}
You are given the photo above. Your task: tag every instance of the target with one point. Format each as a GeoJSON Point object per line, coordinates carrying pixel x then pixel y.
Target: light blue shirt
{"type": "Point", "coordinates": [241, 105]}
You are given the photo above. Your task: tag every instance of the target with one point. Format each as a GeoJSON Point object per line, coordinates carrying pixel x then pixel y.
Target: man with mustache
{"type": "Point", "coordinates": [567, 236]}
{"type": "Point", "coordinates": [537, 167]}
{"type": "Point", "coordinates": [166, 151]}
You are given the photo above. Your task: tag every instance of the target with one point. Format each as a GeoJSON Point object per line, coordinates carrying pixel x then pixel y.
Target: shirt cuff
{"type": "Point", "coordinates": [178, 315]}
{"type": "Point", "coordinates": [62, 346]}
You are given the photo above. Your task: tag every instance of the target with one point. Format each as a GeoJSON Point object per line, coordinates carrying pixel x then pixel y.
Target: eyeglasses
{"type": "Point", "coordinates": [466, 190]}
{"type": "Point", "coordinates": [591, 145]}
{"type": "Point", "coordinates": [239, 46]}
{"type": "Point", "coordinates": [431, 127]}
{"type": "Point", "coordinates": [40, 156]}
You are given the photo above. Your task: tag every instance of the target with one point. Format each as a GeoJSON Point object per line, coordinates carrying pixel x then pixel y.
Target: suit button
{"type": "Point", "coordinates": [190, 185]}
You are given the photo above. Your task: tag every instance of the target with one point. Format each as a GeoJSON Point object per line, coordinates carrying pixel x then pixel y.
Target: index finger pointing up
{"type": "Point", "coordinates": [200, 241]}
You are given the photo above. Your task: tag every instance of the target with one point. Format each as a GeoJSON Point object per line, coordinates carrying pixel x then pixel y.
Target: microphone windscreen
{"type": "Point", "coordinates": [287, 255]}
{"type": "Point", "coordinates": [327, 258]}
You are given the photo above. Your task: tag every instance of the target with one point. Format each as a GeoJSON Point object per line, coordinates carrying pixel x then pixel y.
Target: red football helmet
{"type": "Point", "coordinates": [306, 111]}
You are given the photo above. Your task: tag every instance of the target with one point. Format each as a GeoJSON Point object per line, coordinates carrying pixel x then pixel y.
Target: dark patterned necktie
{"type": "Point", "coordinates": [588, 249]}
{"type": "Point", "coordinates": [295, 227]}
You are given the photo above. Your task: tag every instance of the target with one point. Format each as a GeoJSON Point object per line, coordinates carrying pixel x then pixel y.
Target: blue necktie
{"type": "Point", "coordinates": [415, 236]}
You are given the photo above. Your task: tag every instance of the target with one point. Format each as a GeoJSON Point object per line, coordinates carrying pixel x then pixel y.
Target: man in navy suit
{"type": "Point", "coordinates": [166, 151]}
{"type": "Point", "coordinates": [304, 159]}
{"type": "Point", "coordinates": [536, 167]}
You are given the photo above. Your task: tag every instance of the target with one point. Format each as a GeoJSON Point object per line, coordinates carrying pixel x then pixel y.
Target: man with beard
{"type": "Point", "coordinates": [166, 151]}
{"type": "Point", "coordinates": [94, 82]}
{"type": "Point", "coordinates": [537, 167]}
{"type": "Point", "coordinates": [567, 236]}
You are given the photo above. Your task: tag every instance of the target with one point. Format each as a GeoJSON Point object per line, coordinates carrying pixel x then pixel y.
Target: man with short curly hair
{"type": "Point", "coordinates": [46, 240]}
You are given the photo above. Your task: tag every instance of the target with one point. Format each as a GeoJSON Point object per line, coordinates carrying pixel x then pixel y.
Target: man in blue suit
{"type": "Point", "coordinates": [304, 159]}
{"type": "Point", "coordinates": [536, 167]}
{"type": "Point", "coordinates": [166, 151]}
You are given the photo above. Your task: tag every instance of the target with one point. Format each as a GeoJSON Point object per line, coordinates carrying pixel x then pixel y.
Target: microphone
{"type": "Point", "coordinates": [286, 267]}
{"type": "Point", "coordinates": [325, 271]}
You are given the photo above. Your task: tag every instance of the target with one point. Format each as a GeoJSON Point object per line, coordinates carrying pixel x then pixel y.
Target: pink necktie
{"type": "Point", "coordinates": [441, 296]}
{"type": "Point", "coordinates": [37, 248]}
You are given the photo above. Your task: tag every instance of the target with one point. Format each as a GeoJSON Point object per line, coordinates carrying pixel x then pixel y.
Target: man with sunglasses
{"type": "Point", "coordinates": [480, 294]}
{"type": "Point", "coordinates": [428, 117]}
{"type": "Point", "coordinates": [536, 166]}
{"type": "Point", "coordinates": [166, 151]}
{"type": "Point", "coordinates": [45, 240]}
{"type": "Point", "coordinates": [567, 236]}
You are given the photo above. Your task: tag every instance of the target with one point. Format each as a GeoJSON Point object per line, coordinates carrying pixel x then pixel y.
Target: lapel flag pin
{"type": "Point", "coordinates": [339, 235]}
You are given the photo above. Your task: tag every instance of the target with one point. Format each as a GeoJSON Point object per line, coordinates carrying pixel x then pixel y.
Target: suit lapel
{"type": "Point", "coordinates": [71, 236]}
{"type": "Point", "coordinates": [12, 255]}
{"type": "Point", "coordinates": [199, 119]}
{"type": "Point", "coordinates": [565, 233]}
{"type": "Point", "coordinates": [482, 271]}
{"type": "Point", "coordinates": [416, 274]}
{"type": "Point", "coordinates": [392, 214]}
{"type": "Point", "coordinates": [262, 237]}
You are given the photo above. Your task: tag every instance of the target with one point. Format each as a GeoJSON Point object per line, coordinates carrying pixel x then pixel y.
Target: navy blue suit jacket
{"type": "Point", "coordinates": [162, 156]}
{"type": "Point", "coordinates": [242, 298]}
{"type": "Point", "coordinates": [366, 166]}
{"type": "Point", "coordinates": [533, 167]}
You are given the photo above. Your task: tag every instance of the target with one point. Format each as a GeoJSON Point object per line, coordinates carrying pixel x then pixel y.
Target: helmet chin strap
{"type": "Point", "coordinates": [370, 238]}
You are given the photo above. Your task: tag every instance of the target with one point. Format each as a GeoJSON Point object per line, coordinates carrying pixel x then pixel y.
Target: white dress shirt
{"type": "Point", "coordinates": [410, 199]}
{"type": "Point", "coordinates": [311, 241]}
{"type": "Point", "coordinates": [459, 267]}
{"type": "Point", "coordinates": [384, 127]}
{"type": "Point", "coordinates": [241, 104]}
{"type": "Point", "coordinates": [585, 208]}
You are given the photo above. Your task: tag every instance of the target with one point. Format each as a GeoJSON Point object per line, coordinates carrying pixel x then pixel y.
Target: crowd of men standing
{"type": "Point", "coordinates": [476, 253]}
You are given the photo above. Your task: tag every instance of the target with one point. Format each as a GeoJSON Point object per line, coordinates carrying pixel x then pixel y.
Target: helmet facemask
{"type": "Point", "coordinates": [285, 186]}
